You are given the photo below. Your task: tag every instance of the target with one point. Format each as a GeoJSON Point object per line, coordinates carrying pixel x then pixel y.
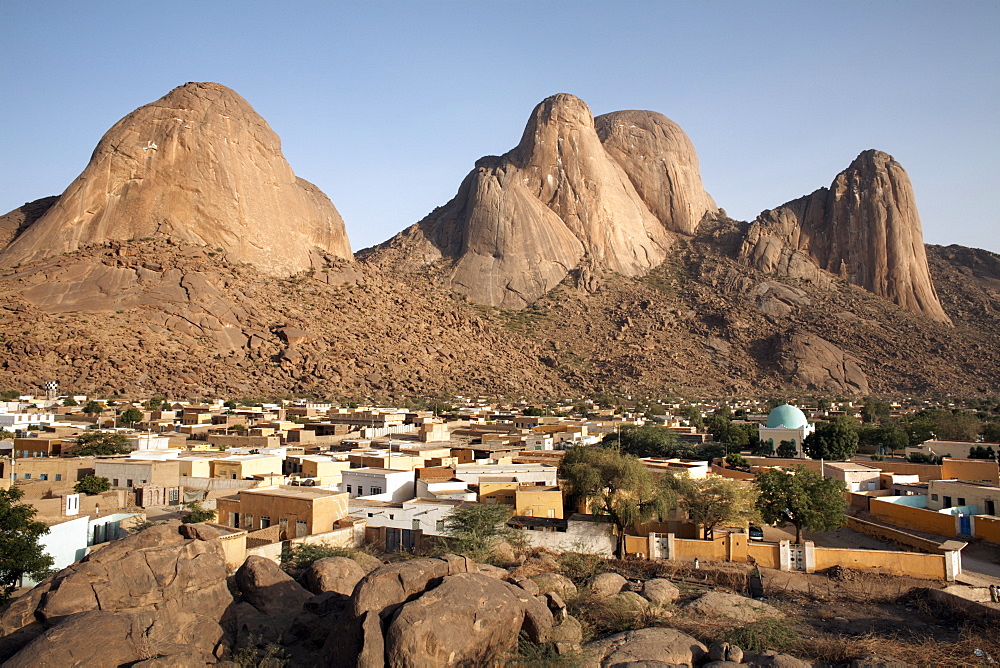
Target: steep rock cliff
{"type": "Point", "coordinates": [864, 228]}
{"type": "Point", "coordinates": [199, 165]}
{"type": "Point", "coordinates": [559, 201]}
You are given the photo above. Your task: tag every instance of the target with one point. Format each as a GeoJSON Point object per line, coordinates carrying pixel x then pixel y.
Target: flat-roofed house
{"type": "Point", "coordinates": [298, 511]}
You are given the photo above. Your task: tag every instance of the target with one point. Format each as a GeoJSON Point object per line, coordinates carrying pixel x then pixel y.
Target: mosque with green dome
{"type": "Point", "coordinates": [785, 423]}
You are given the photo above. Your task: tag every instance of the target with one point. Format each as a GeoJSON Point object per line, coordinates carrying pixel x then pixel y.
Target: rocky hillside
{"type": "Point", "coordinates": [154, 317]}
{"type": "Point", "coordinates": [587, 259]}
{"type": "Point", "coordinates": [198, 165]}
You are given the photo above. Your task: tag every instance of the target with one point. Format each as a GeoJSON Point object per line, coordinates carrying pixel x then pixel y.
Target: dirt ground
{"type": "Point", "coordinates": [835, 617]}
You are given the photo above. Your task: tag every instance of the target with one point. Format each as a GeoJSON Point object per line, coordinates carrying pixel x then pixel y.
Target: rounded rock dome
{"type": "Point", "coordinates": [787, 416]}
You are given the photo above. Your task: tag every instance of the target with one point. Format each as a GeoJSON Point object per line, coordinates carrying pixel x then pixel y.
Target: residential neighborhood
{"type": "Point", "coordinates": [271, 475]}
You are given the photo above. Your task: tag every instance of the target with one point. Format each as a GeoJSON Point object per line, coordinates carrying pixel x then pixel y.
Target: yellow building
{"type": "Point", "coordinates": [326, 469]}
{"type": "Point", "coordinates": [538, 501]}
{"type": "Point", "coordinates": [528, 500]}
{"type": "Point", "coordinates": [298, 511]}
{"type": "Point", "coordinates": [240, 467]}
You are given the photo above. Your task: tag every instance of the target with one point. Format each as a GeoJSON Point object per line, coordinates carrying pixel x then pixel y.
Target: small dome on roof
{"type": "Point", "coordinates": [787, 416]}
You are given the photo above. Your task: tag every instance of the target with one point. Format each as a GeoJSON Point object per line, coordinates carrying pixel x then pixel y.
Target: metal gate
{"type": "Point", "coordinates": [797, 559]}
{"type": "Point", "coordinates": [397, 540]}
{"type": "Point", "coordinates": [965, 525]}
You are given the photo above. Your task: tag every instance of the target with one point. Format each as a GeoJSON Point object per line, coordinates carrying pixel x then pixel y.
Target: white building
{"type": "Point", "coordinates": [785, 423]}
{"type": "Point", "coordinates": [23, 420]}
{"type": "Point", "coordinates": [378, 484]}
{"type": "Point", "coordinates": [541, 474]}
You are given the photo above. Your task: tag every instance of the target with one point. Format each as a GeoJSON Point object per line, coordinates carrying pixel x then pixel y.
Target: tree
{"type": "Point", "coordinates": [736, 437]}
{"type": "Point", "coordinates": [649, 441]}
{"type": "Point", "coordinates": [131, 416]}
{"type": "Point", "coordinates": [923, 458]}
{"type": "Point", "coordinates": [991, 432]}
{"type": "Point", "coordinates": [787, 450]}
{"type": "Point", "coordinates": [196, 514]}
{"type": "Point", "coordinates": [692, 415]}
{"type": "Point", "coordinates": [156, 403]}
{"type": "Point", "coordinates": [837, 440]}
{"type": "Point", "coordinates": [802, 498]}
{"type": "Point", "coordinates": [97, 443]}
{"type": "Point", "coordinates": [476, 528]}
{"type": "Point", "coordinates": [874, 410]}
{"type": "Point", "coordinates": [618, 486]}
{"type": "Point", "coordinates": [93, 408]}
{"type": "Point", "coordinates": [737, 461]}
{"type": "Point", "coordinates": [230, 404]}
{"type": "Point", "coordinates": [713, 502]}
{"type": "Point", "coordinates": [20, 552]}
{"type": "Point", "coordinates": [91, 485]}
{"type": "Point", "coordinates": [70, 401]}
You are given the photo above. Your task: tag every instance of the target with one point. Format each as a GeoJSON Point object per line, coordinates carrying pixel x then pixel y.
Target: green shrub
{"type": "Point", "coordinates": [196, 514]}
{"type": "Point", "coordinates": [580, 567]}
{"type": "Point", "coordinates": [301, 557]}
{"type": "Point", "coordinates": [764, 634]}
{"type": "Point", "coordinates": [91, 485]}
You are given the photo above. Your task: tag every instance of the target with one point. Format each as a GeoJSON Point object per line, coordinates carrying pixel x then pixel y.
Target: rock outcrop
{"type": "Point", "coordinates": [661, 163]}
{"type": "Point", "coordinates": [864, 228]}
{"type": "Point", "coordinates": [199, 165]}
{"type": "Point", "coordinates": [645, 647]}
{"type": "Point", "coordinates": [434, 612]}
{"type": "Point", "coordinates": [562, 201]}
{"type": "Point", "coordinates": [152, 594]}
{"type": "Point", "coordinates": [814, 363]}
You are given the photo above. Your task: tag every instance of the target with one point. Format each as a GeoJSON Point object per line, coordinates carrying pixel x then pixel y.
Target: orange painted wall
{"type": "Point", "coordinates": [976, 470]}
{"type": "Point", "coordinates": [917, 519]}
{"type": "Point", "coordinates": [915, 564]}
{"type": "Point", "coordinates": [767, 555]}
{"type": "Point", "coordinates": [988, 528]}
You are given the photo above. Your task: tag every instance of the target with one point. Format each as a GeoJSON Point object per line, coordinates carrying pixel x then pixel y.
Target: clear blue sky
{"type": "Point", "coordinates": [386, 105]}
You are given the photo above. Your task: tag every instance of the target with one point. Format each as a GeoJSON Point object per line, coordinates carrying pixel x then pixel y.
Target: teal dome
{"type": "Point", "coordinates": [787, 416]}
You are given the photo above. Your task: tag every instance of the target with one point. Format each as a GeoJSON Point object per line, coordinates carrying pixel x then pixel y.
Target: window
{"type": "Point", "coordinates": [371, 514]}
{"type": "Point", "coordinates": [27, 476]}
{"type": "Point", "coordinates": [361, 490]}
{"type": "Point", "coordinates": [58, 477]}
{"type": "Point", "coordinates": [348, 489]}
{"type": "Point", "coordinates": [142, 482]}
{"type": "Point", "coordinates": [439, 525]}
{"type": "Point", "coordinates": [391, 516]}
{"type": "Point", "coordinates": [934, 497]}
{"type": "Point", "coordinates": [248, 521]}
{"type": "Point", "coordinates": [376, 490]}
{"type": "Point", "coordinates": [301, 528]}
{"type": "Point", "coordinates": [114, 482]}
{"type": "Point", "coordinates": [415, 525]}
{"type": "Point", "coordinates": [43, 476]}
{"type": "Point", "coordinates": [128, 482]}
{"type": "Point", "coordinates": [961, 500]}
{"type": "Point", "coordinates": [265, 521]}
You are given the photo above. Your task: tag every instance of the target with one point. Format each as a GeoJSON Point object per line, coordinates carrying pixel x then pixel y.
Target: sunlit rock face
{"type": "Point", "coordinates": [199, 165]}
{"type": "Point", "coordinates": [864, 228]}
{"type": "Point", "coordinates": [570, 196]}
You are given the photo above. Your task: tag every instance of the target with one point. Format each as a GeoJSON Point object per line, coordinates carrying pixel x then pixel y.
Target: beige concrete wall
{"type": "Point", "coordinates": [244, 468]}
